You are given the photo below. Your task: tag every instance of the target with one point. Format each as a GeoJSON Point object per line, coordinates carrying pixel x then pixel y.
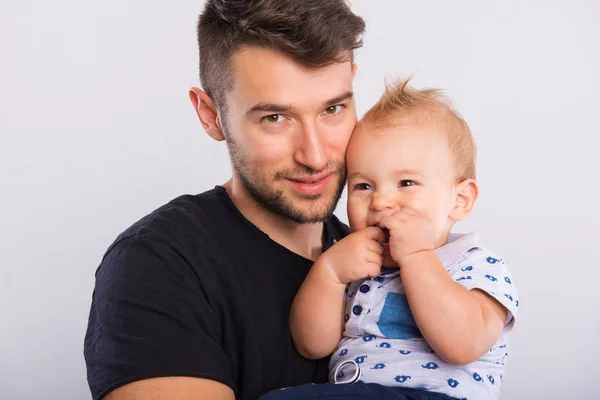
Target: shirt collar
{"type": "Point", "coordinates": [450, 253]}
{"type": "Point", "coordinates": [458, 244]}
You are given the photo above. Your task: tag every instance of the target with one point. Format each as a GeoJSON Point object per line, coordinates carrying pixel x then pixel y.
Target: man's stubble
{"type": "Point", "coordinates": [257, 185]}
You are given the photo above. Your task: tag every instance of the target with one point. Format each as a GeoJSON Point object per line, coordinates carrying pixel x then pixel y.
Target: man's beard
{"type": "Point", "coordinates": [275, 201]}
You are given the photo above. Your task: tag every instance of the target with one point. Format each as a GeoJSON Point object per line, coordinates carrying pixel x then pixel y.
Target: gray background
{"type": "Point", "coordinates": [97, 130]}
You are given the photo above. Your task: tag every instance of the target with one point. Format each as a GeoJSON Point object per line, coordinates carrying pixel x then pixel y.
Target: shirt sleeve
{"type": "Point", "coordinates": [486, 271]}
{"type": "Point", "coordinates": [149, 318]}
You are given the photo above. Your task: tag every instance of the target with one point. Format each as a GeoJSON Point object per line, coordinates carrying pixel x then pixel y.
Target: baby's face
{"type": "Point", "coordinates": [404, 166]}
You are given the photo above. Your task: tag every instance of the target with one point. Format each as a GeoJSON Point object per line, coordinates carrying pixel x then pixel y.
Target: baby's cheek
{"type": "Point", "coordinates": [357, 215]}
{"type": "Point", "coordinates": [356, 223]}
{"type": "Point", "coordinates": [439, 221]}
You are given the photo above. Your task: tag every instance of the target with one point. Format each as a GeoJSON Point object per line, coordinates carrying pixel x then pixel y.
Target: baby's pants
{"type": "Point", "coordinates": [358, 390]}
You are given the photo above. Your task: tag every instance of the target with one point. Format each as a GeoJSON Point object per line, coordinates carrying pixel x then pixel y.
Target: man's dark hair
{"type": "Point", "coordinates": [316, 33]}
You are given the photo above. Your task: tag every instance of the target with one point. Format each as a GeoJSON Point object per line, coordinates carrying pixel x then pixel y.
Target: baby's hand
{"type": "Point", "coordinates": [357, 256]}
{"type": "Point", "coordinates": [410, 232]}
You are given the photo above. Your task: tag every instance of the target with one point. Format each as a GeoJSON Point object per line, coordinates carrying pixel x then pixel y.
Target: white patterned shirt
{"type": "Point", "coordinates": [381, 335]}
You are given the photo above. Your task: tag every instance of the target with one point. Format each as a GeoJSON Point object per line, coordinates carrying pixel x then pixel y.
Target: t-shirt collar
{"type": "Point", "coordinates": [458, 244]}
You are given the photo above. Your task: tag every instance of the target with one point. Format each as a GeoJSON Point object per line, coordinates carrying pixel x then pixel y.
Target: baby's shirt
{"type": "Point", "coordinates": [381, 335]}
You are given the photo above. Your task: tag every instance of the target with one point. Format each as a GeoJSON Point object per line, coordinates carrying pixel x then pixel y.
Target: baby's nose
{"type": "Point", "coordinates": [383, 202]}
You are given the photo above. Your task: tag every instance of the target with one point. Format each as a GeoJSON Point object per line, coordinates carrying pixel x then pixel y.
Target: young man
{"type": "Point", "coordinates": [192, 301]}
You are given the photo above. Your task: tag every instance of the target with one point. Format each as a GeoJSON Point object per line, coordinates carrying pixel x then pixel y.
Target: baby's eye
{"type": "Point", "coordinates": [273, 118]}
{"type": "Point", "coordinates": [362, 186]}
{"type": "Point", "coordinates": [407, 183]}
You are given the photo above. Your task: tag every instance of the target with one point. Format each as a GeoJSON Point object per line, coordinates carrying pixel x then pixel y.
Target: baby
{"type": "Point", "coordinates": [402, 302]}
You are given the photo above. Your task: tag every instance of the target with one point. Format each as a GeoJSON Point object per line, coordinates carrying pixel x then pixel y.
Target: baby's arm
{"type": "Point", "coordinates": [316, 317]}
{"type": "Point", "coordinates": [461, 325]}
{"type": "Point", "coordinates": [317, 314]}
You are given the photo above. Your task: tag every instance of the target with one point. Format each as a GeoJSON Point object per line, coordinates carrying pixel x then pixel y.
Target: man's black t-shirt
{"type": "Point", "coordinates": [195, 289]}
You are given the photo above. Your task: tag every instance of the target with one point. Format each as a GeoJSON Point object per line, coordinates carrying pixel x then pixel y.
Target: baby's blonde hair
{"type": "Point", "coordinates": [402, 104]}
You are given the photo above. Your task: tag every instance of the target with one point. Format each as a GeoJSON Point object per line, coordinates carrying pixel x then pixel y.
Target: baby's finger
{"type": "Point", "coordinates": [374, 233]}
{"type": "Point", "coordinates": [375, 247]}
{"type": "Point", "coordinates": [375, 270]}
{"type": "Point", "coordinates": [390, 222]}
{"type": "Point", "coordinates": [374, 253]}
{"type": "Point", "coordinates": [375, 261]}
{"type": "Point", "coordinates": [409, 211]}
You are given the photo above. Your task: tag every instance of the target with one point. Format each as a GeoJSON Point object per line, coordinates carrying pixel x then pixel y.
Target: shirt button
{"type": "Point", "coordinates": [357, 310]}
{"type": "Point", "coordinates": [364, 288]}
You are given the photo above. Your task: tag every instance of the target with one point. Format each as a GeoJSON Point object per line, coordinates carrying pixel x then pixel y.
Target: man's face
{"type": "Point", "coordinates": [287, 128]}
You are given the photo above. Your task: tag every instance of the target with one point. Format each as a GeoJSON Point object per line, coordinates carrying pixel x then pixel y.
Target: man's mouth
{"type": "Point", "coordinates": [310, 185]}
{"type": "Point", "coordinates": [310, 178]}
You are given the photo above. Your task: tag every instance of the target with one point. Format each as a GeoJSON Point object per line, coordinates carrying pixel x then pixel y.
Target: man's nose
{"type": "Point", "coordinates": [312, 149]}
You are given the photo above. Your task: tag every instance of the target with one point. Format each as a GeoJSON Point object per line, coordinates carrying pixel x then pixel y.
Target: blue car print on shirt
{"type": "Point", "coordinates": [492, 278]}
{"type": "Point", "coordinates": [491, 379]}
{"type": "Point", "coordinates": [343, 352]}
{"type": "Point", "coordinates": [430, 365]}
{"type": "Point", "coordinates": [477, 377]}
{"type": "Point", "coordinates": [368, 338]}
{"type": "Point", "coordinates": [361, 359]}
{"type": "Point", "coordinates": [492, 260]}
{"type": "Point", "coordinates": [517, 303]}
{"type": "Point", "coordinates": [507, 280]}
{"type": "Point", "coordinates": [404, 352]}
{"type": "Point", "coordinates": [508, 296]}
{"type": "Point", "coordinates": [378, 366]}
{"type": "Point", "coordinates": [385, 345]}
{"type": "Point", "coordinates": [401, 379]}
{"type": "Point", "coordinates": [452, 383]}
{"type": "Point", "coordinates": [464, 278]}
{"type": "Point", "coordinates": [469, 268]}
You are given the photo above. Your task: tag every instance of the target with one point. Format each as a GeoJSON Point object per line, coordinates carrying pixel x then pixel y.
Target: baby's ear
{"type": "Point", "coordinates": [467, 192]}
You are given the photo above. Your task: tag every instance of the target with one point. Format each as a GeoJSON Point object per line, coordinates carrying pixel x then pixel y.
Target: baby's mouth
{"type": "Point", "coordinates": [386, 241]}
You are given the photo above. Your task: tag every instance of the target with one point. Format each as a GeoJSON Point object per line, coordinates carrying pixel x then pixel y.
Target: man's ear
{"type": "Point", "coordinates": [207, 113]}
{"type": "Point", "coordinates": [467, 193]}
{"type": "Point", "coordinates": [354, 70]}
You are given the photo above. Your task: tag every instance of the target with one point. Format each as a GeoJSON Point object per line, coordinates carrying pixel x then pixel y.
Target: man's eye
{"type": "Point", "coordinates": [331, 110]}
{"type": "Point", "coordinates": [362, 186]}
{"type": "Point", "coordinates": [273, 118]}
{"type": "Point", "coordinates": [407, 182]}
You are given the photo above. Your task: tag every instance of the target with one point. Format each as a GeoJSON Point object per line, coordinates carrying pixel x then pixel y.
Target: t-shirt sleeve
{"type": "Point", "coordinates": [486, 271]}
{"type": "Point", "coordinates": [150, 317]}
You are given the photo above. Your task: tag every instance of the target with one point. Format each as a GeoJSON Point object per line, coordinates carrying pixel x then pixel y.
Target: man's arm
{"type": "Point", "coordinates": [151, 318]}
{"type": "Point", "coordinates": [173, 388]}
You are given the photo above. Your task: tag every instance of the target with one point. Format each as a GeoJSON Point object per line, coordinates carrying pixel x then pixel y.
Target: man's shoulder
{"type": "Point", "coordinates": [335, 230]}
{"type": "Point", "coordinates": [339, 228]}
{"type": "Point", "coordinates": [185, 216]}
